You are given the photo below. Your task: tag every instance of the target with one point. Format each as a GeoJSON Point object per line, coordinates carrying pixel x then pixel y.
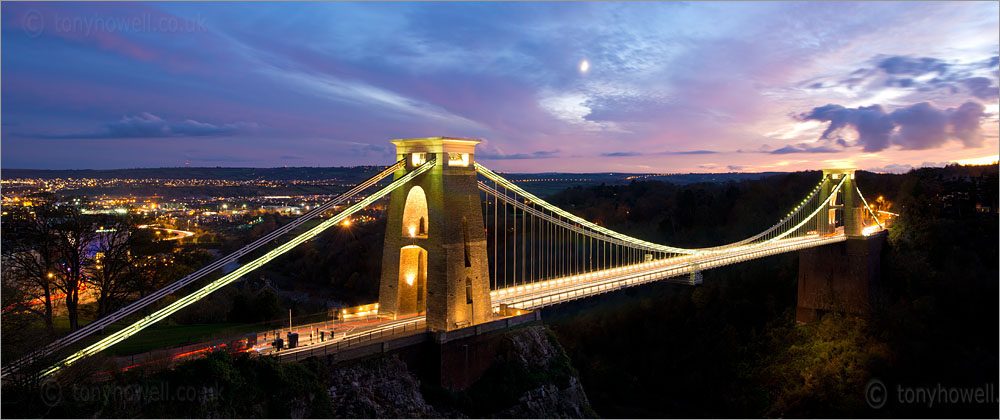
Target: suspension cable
{"type": "Point", "coordinates": [135, 306]}
{"type": "Point", "coordinates": [628, 240]}
{"type": "Point", "coordinates": [865, 202]}
{"type": "Point", "coordinates": [236, 274]}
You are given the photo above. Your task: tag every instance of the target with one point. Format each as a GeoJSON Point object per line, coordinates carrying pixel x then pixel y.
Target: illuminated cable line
{"type": "Point", "coordinates": [803, 222]}
{"type": "Point", "coordinates": [625, 239]}
{"type": "Point", "coordinates": [879, 222]}
{"type": "Point", "coordinates": [545, 241]}
{"type": "Point", "coordinates": [229, 278]}
{"type": "Point", "coordinates": [604, 239]}
{"type": "Point", "coordinates": [190, 278]}
{"type": "Point", "coordinates": [790, 216]}
{"type": "Point", "coordinates": [517, 190]}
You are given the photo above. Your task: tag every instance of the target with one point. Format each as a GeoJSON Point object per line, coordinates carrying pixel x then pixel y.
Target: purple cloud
{"type": "Point", "coordinates": [919, 126]}
{"type": "Point", "coordinates": [327, 83]}
{"type": "Point", "coordinates": [146, 125]}
{"type": "Point", "coordinates": [926, 75]}
{"type": "Point", "coordinates": [621, 154]}
{"type": "Point", "coordinates": [686, 152]}
{"type": "Point", "coordinates": [981, 88]}
{"type": "Point", "coordinates": [912, 66]}
{"type": "Point", "coordinates": [541, 154]}
{"type": "Point", "coordinates": [965, 123]}
{"type": "Point", "coordinates": [802, 149]}
{"type": "Point", "coordinates": [871, 122]}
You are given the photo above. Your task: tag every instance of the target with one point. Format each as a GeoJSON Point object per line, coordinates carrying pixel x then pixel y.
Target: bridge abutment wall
{"type": "Point", "coordinates": [466, 354]}
{"type": "Point", "coordinates": [841, 277]}
{"type": "Point", "coordinates": [454, 359]}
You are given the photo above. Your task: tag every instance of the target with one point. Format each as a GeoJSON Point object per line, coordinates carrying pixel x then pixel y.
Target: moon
{"type": "Point", "coordinates": [584, 66]}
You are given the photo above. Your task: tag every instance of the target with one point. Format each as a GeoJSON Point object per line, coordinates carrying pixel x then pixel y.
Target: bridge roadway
{"type": "Point", "coordinates": [338, 334]}
{"type": "Point", "coordinates": [369, 332]}
{"type": "Point", "coordinates": [362, 330]}
{"type": "Point", "coordinates": [551, 292]}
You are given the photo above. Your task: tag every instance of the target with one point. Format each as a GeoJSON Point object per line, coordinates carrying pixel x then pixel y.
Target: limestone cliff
{"type": "Point", "coordinates": [531, 377]}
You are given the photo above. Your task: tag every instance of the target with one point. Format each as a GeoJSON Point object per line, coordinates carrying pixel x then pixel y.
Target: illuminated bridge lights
{"type": "Point", "coordinates": [676, 261]}
{"type": "Point", "coordinates": [229, 278]}
{"type": "Point", "coordinates": [530, 297]}
{"type": "Point", "coordinates": [186, 280]}
{"type": "Point", "coordinates": [635, 242]}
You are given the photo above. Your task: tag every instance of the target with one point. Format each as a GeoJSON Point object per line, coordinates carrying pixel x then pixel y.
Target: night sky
{"type": "Point", "coordinates": [573, 87]}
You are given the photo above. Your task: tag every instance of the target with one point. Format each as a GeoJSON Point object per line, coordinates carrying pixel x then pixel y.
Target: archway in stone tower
{"type": "Point", "coordinates": [412, 280]}
{"type": "Point", "coordinates": [415, 214]}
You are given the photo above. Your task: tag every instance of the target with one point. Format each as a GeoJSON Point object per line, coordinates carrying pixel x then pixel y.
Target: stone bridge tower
{"type": "Point", "coordinates": [434, 260]}
{"type": "Point", "coordinates": [845, 209]}
{"type": "Point", "coordinates": [841, 277]}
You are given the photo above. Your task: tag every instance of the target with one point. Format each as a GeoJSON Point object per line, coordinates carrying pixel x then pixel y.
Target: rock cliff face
{"type": "Point", "coordinates": [527, 375]}
{"type": "Point", "coordinates": [531, 377]}
{"type": "Point", "coordinates": [381, 388]}
{"type": "Point", "coordinates": [560, 393]}
{"type": "Point", "coordinates": [551, 402]}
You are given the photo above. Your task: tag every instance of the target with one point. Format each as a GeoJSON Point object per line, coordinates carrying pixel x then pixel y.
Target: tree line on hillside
{"type": "Point", "coordinates": [730, 347]}
{"type": "Point", "coordinates": [60, 259]}
{"type": "Point", "coordinates": [693, 215]}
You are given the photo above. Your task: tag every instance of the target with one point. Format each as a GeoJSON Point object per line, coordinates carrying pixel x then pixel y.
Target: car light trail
{"type": "Point", "coordinates": [229, 278]}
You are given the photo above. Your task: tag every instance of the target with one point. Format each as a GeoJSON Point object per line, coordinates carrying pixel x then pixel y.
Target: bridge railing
{"type": "Point", "coordinates": [352, 342]}
{"type": "Point", "coordinates": [529, 298]}
{"type": "Point", "coordinates": [179, 304]}
{"type": "Point", "coordinates": [534, 244]}
{"type": "Point", "coordinates": [133, 307]}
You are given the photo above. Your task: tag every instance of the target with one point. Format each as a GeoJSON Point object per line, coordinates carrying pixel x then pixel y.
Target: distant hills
{"type": "Point", "coordinates": [232, 174]}
{"type": "Point", "coordinates": [351, 173]}
{"type": "Point", "coordinates": [356, 173]}
{"type": "Point", "coordinates": [683, 179]}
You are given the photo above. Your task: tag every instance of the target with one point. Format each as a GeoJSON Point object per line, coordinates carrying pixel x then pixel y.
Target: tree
{"type": "Point", "coordinates": [124, 256]}
{"type": "Point", "coordinates": [74, 237]}
{"type": "Point", "coordinates": [267, 306]}
{"type": "Point", "coordinates": [30, 258]}
{"type": "Point", "coordinates": [17, 298]}
{"type": "Point", "coordinates": [158, 272]}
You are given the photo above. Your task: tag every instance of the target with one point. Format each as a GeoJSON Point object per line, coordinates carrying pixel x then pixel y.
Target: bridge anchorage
{"type": "Point", "coordinates": [467, 251]}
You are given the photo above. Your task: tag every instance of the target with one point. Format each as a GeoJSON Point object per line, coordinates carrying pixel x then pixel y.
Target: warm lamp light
{"type": "Point", "coordinates": [409, 279]}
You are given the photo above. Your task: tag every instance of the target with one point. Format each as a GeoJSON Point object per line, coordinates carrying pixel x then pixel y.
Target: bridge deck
{"type": "Point", "coordinates": [550, 292]}
{"type": "Point", "coordinates": [357, 338]}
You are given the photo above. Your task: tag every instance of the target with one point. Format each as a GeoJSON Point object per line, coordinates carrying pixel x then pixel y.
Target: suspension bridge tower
{"type": "Point", "coordinates": [841, 277]}
{"type": "Point", "coordinates": [845, 209]}
{"type": "Point", "coordinates": [435, 261]}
